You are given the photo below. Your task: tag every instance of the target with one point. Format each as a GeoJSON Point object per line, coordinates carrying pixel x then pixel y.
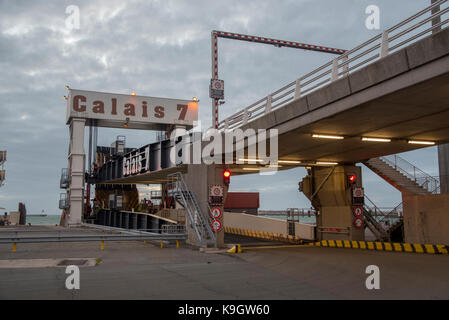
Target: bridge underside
{"type": "Point", "coordinates": [419, 112]}
{"type": "Point", "coordinates": [404, 96]}
{"type": "Point", "coordinates": [151, 177]}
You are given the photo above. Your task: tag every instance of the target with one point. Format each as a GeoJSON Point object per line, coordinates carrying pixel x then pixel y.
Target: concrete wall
{"type": "Point", "coordinates": [256, 223]}
{"type": "Point", "coordinates": [178, 215]}
{"type": "Point", "coordinates": [426, 218]}
{"type": "Point", "coordinates": [14, 217]}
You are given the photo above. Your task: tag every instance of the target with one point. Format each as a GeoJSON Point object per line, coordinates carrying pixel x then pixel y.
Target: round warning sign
{"type": "Point", "coordinates": [358, 223]}
{"type": "Point", "coordinates": [358, 211]}
{"type": "Point", "coordinates": [215, 212]}
{"type": "Point", "coordinates": [358, 192]}
{"type": "Point", "coordinates": [216, 225]}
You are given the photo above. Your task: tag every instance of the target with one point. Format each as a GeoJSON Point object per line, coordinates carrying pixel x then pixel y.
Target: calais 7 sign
{"type": "Point", "coordinates": [111, 109]}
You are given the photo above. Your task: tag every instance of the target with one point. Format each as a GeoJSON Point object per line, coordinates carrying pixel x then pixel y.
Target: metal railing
{"type": "Point", "coordinates": [369, 212]}
{"type": "Point", "coordinates": [65, 178]}
{"type": "Point", "coordinates": [200, 224]}
{"type": "Point", "coordinates": [90, 237]}
{"type": "Point", "coordinates": [424, 180]}
{"type": "Point", "coordinates": [411, 29]}
{"type": "Point", "coordinates": [63, 201]}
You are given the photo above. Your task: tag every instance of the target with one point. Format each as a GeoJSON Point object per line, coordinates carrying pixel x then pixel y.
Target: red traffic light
{"type": "Point", "coordinates": [226, 177]}
{"type": "Point", "coordinates": [352, 178]}
{"type": "Point", "coordinates": [226, 173]}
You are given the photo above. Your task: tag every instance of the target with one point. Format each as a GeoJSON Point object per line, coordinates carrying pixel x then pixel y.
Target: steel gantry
{"type": "Point", "coordinates": [216, 89]}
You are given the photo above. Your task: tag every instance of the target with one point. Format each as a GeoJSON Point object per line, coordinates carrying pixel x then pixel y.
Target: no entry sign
{"type": "Point", "coordinates": [215, 212]}
{"type": "Point", "coordinates": [216, 225]}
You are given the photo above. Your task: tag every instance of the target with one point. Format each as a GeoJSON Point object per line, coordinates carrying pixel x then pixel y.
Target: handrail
{"type": "Point", "coordinates": [415, 174]}
{"type": "Point", "coordinates": [362, 55]}
{"type": "Point", "coordinates": [200, 223]}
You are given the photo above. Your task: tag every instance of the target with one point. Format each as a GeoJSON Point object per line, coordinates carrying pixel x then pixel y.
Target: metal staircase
{"type": "Point", "coordinates": [371, 213]}
{"type": "Point", "coordinates": [402, 175]}
{"type": "Point", "coordinates": [177, 188]}
{"type": "Point", "coordinates": [405, 177]}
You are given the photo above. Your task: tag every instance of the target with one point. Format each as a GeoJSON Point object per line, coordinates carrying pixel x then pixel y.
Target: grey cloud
{"type": "Point", "coordinates": [158, 48]}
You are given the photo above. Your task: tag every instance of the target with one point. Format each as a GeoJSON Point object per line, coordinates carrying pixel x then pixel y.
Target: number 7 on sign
{"type": "Point", "coordinates": [183, 108]}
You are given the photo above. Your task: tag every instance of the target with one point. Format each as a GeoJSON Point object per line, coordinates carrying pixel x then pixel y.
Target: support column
{"type": "Point", "coordinates": [76, 168]}
{"type": "Point", "coordinates": [198, 178]}
{"type": "Point", "coordinates": [443, 167]}
{"type": "Point", "coordinates": [330, 194]}
{"type": "Point", "coordinates": [443, 150]}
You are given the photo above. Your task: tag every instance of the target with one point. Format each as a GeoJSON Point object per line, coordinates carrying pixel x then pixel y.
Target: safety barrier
{"type": "Point", "coordinates": [363, 245]}
{"type": "Point", "coordinates": [384, 246]}
{"type": "Point", "coordinates": [264, 235]}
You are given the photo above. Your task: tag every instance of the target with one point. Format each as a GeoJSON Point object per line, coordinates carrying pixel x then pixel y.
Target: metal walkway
{"type": "Point", "coordinates": [402, 175]}
{"type": "Point", "coordinates": [197, 220]}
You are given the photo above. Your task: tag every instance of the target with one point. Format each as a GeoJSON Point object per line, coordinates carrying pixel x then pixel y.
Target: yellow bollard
{"type": "Point", "coordinates": [102, 244]}
{"type": "Point", "coordinates": [14, 247]}
{"type": "Point", "coordinates": [145, 241]}
{"type": "Point", "coordinates": [162, 244]}
{"type": "Point", "coordinates": [177, 243]}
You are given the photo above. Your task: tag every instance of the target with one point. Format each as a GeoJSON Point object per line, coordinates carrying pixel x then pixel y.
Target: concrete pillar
{"type": "Point", "coordinates": [443, 166]}
{"type": "Point", "coordinates": [443, 150]}
{"type": "Point", "coordinates": [330, 194]}
{"type": "Point", "coordinates": [198, 178]}
{"type": "Point", "coordinates": [76, 167]}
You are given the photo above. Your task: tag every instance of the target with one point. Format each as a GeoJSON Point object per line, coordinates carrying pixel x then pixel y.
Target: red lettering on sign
{"type": "Point", "coordinates": [76, 103]}
{"type": "Point", "coordinates": [130, 110]}
{"type": "Point", "coordinates": [98, 107]}
{"type": "Point", "coordinates": [159, 112]}
{"type": "Point", "coordinates": [114, 106]}
{"type": "Point", "coordinates": [144, 109]}
{"type": "Point", "coordinates": [183, 108]}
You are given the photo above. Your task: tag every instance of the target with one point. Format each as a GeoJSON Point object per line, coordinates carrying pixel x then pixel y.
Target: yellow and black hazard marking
{"type": "Point", "coordinates": [264, 235]}
{"type": "Point", "coordinates": [384, 246]}
{"type": "Point", "coordinates": [235, 249]}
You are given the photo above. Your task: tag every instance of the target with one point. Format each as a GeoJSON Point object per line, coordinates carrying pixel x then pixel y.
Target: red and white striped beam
{"type": "Point", "coordinates": [276, 42]}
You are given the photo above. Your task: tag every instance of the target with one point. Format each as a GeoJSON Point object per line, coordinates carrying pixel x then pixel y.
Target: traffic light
{"type": "Point", "coordinates": [352, 179]}
{"type": "Point", "coordinates": [226, 177]}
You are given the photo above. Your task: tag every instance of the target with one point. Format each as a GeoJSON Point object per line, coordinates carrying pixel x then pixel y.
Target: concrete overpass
{"type": "Point", "coordinates": [403, 96]}
{"type": "Point", "coordinates": [394, 86]}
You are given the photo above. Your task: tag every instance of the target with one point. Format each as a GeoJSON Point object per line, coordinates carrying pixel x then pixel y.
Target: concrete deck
{"type": "Point", "coordinates": [134, 270]}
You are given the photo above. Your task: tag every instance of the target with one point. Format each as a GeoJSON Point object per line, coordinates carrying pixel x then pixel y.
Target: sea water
{"type": "Point", "coordinates": [49, 220]}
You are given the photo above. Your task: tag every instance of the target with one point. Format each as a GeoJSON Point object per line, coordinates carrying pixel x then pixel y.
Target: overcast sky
{"type": "Point", "coordinates": [162, 48]}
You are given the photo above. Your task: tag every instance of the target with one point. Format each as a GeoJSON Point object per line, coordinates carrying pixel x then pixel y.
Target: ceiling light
{"type": "Point", "coordinates": [254, 160]}
{"type": "Point", "coordinates": [327, 163]}
{"type": "Point", "coordinates": [325, 136]}
{"type": "Point", "coordinates": [376, 139]}
{"type": "Point", "coordinates": [421, 142]}
{"type": "Point", "coordinates": [289, 161]}
{"type": "Point", "coordinates": [251, 169]}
